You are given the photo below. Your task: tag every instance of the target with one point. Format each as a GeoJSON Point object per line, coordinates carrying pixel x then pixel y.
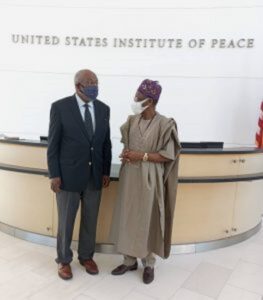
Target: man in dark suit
{"type": "Point", "coordinates": [79, 162]}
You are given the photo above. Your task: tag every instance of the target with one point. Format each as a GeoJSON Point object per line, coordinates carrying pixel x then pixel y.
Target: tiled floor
{"type": "Point", "coordinates": [28, 271]}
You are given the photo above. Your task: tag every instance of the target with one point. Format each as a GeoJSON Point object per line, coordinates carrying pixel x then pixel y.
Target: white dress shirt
{"type": "Point", "coordinates": [82, 108]}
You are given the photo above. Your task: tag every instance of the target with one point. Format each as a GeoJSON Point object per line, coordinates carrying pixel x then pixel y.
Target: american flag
{"type": "Point", "coordinates": [259, 134]}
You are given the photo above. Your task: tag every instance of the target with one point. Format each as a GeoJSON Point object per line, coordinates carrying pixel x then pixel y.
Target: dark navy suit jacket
{"type": "Point", "coordinates": [71, 155]}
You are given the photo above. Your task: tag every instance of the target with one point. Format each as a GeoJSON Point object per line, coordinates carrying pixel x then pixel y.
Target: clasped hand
{"type": "Point", "coordinates": [131, 156]}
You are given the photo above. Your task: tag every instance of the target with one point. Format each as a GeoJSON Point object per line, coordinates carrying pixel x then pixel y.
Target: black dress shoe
{"type": "Point", "coordinates": [148, 275]}
{"type": "Point", "coordinates": [123, 269]}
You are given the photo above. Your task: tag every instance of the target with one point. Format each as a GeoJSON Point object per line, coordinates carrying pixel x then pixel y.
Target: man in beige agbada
{"type": "Point", "coordinates": [143, 216]}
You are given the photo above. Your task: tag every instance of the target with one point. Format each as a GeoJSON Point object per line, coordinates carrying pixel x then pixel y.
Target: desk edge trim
{"type": "Point", "coordinates": [110, 249]}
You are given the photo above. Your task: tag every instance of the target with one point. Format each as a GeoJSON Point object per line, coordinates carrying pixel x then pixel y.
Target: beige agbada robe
{"type": "Point", "coordinates": [143, 215]}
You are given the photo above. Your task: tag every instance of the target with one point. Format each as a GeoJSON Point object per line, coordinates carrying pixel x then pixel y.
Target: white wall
{"type": "Point", "coordinates": [213, 93]}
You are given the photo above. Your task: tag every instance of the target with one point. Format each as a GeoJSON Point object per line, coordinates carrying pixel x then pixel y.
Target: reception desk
{"type": "Point", "coordinates": [219, 199]}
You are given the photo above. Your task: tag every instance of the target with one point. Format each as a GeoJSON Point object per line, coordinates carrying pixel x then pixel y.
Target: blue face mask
{"type": "Point", "coordinates": [91, 91]}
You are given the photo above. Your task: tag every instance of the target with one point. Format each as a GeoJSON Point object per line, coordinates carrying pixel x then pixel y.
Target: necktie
{"type": "Point", "coordinates": [88, 121]}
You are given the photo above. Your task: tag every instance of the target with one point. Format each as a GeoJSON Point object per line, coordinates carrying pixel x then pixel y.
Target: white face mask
{"type": "Point", "coordinates": [137, 107]}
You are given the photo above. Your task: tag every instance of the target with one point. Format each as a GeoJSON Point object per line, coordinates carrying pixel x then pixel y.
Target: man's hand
{"type": "Point", "coordinates": [55, 184]}
{"type": "Point", "coordinates": [132, 156]}
{"type": "Point", "coordinates": [106, 181]}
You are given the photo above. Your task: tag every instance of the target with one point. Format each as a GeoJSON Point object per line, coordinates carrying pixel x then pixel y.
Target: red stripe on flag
{"type": "Point", "coordinates": [258, 140]}
{"type": "Point", "coordinates": [260, 123]}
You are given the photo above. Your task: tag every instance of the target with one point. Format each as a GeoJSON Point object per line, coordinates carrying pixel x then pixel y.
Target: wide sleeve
{"type": "Point", "coordinates": [171, 149]}
{"type": "Point", "coordinates": [125, 128]}
{"type": "Point", "coordinates": [171, 145]}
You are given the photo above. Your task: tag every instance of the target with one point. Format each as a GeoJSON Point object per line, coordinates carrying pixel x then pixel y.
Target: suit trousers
{"type": "Point", "coordinates": [68, 204]}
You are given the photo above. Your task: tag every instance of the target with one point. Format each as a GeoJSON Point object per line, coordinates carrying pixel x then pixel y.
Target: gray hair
{"type": "Point", "coordinates": [79, 75]}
